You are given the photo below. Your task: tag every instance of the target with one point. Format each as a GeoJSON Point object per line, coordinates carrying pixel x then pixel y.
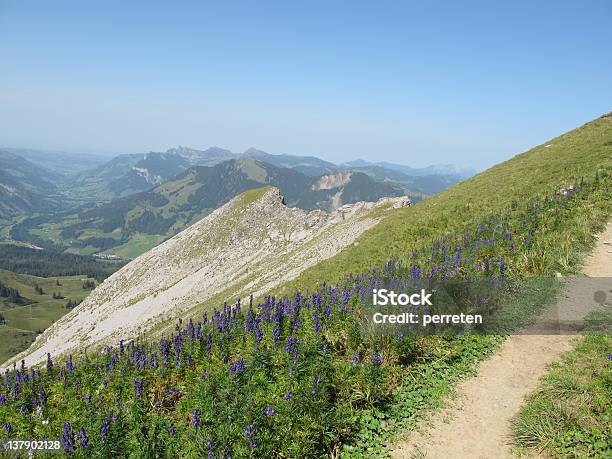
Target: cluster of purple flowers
{"type": "Point", "coordinates": [287, 331]}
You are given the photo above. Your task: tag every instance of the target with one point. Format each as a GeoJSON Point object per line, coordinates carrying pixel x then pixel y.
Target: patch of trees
{"type": "Point", "coordinates": [44, 263]}
{"type": "Point", "coordinates": [71, 304]}
{"type": "Point", "coordinates": [58, 296]}
{"type": "Point", "coordinates": [12, 294]}
{"type": "Point", "coordinates": [2, 320]}
{"type": "Point", "coordinates": [89, 285]}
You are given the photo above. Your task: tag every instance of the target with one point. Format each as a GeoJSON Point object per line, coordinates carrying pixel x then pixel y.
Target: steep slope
{"type": "Point", "coordinates": [584, 152]}
{"type": "Point", "coordinates": [131, 225]}
{"type": "Point", "coordinates": [249, 245]}
{"type": "Point", "coordinates": [25, 187]}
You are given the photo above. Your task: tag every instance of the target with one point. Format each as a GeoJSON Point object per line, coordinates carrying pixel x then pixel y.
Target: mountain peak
{"type": "Point", "coordinates": [255, 152]}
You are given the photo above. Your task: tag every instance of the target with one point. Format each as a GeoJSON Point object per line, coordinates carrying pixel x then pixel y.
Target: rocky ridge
{"type": "Point", "coordinates": [248, 246]}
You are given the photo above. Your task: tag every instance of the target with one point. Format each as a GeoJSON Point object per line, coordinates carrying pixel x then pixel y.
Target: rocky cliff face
{"type": "Point", "coordinates": [249, 245]}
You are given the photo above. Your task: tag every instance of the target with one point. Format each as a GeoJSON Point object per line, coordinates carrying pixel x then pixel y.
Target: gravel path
{"type": "Point", "coordinates": [476, 423]}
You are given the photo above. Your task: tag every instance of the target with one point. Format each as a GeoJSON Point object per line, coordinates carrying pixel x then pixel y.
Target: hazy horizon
{"type": "Point", "coordinates": [406, 83]}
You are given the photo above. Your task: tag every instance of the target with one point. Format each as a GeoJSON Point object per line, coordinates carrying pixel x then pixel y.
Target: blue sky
{"type": "Point", "coordinates": [469, 83]}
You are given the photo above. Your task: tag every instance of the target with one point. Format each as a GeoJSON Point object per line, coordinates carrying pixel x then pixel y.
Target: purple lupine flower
{"type": "Point", "coordinates": [42, 396]}
{"type": "Point", "coordinates": [83, 438]}
{"type": "Point", "coordinates": [288, 396]}
{"type": "Point", "coordinates": [195, 419]}
{"type": "Point", "coordinates": [138, 387]}
{"type": "Point", "coordinates": [70, 365]}
{"type": "Point", "coordinates": [3, 399]}
{"type": "Point", "coordinates": [258, 333]}
{"type": "Point", "coordinates": [356, 359]}
{"type": "Point", "coordinates": [346, 296]}
{"type": "Point", "coordinates": [105, 429]}
{"type": "Point", "coordinates": [210, 450]}
{"type": "Point", "coordinates": [377, 358]}
{"type": "Point", "coordinates": [317, 322]}
{"type": "Point", "coordinates": [237, 367]}
{"type": "Point", "coordinates": [292, 346]}
{"type": "Point", "coordinates": [49, 362]}
{"type": "Point", "coordinates": [327, 311]}
{"type": "Point", "coordinates": [67, 438]}
{"type": "Point", "coordinates": [172, 430]}
{"type": "Point", "coordinates": [88, 398]}
{"type": "Point", "coordinates": [270, 411]}
{"type": "Point", "coordinates": [249, 430]}
{"type": "Point", "coordinates": [16, 389]}
{"type": "Point", "coordinates": [8, 427]}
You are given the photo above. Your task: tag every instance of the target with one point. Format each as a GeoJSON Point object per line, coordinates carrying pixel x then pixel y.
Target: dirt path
{"type": "Point", "coordinates": [476, 423]}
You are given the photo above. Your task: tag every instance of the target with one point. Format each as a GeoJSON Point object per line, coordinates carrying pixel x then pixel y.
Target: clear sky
{"type": "Point", "coordinates": [425, 82]}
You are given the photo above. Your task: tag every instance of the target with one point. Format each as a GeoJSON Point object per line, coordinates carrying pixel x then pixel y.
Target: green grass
{"type": "Point", "coordinates": [580, 153]}
{"type": "Point", "coordinates": [138, 243]}
{"type": "Point", "coordinates": [570, 415]}
{"type": "Point", "coordinates": [25, 322]}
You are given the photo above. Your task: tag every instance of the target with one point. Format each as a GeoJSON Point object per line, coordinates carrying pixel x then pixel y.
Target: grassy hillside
{"type": "Point", "coordinates": [300, 376]}
{"type": "Point", "coordinates": [25, 318]}
{"type": "Point", "coordinates": [561, 162]}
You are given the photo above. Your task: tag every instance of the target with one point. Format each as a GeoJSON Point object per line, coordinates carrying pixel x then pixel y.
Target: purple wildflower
{"type": "Point", "coordinates": [67, 438]}
{"type": "Point", "coordinates": [377, 358]}
{"type": "Point", "coordinates": [195, 418]}
{"type": "Point", "coordinates": [138, 387]}
{"type": "Point", "coordinates": [248, 432]}
{"type": "Point", "coordinates": [210, 449]}
{"type": "Point", "coordinates": [269, 411]}
{"type": "Point", "coordinates": [83, 438]}
{"type": "Point", "coordinates": [237, 367]}
{"type": "Point", "coordinates": [106, 424]}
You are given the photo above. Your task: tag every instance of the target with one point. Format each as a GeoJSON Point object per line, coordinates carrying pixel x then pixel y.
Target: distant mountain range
{"type": "Point", "coordinates": [126, 205]}
{"type": "Point", "coordinates": [25, 187]}
{"type": "Point", "coordinates": [132, 224]}
{"type": "Point", "coordinates": [61, 163]}
{"type": "Point", "coordinates": [128, 174]}
{"type": "Point", "coordinates": [438, 169]}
